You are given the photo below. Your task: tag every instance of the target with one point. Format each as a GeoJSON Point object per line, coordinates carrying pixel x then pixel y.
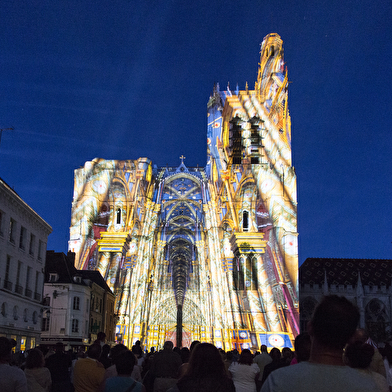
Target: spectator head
{"type": "Point", "coordinates": [185, 354]}
{"type": "Point", "coordinates": [205, 361]}
{"type": "Point", "coordinates": [168, 345]}
{"type": "Point", "coordinates": [125, 363]}
{"type": "Point", "coordinates": [263, 348]}
{"type": "Point", "coordinates": [334, 322]}
{"type": "Point", "coordinates": [5, 349]}
{"type": "Point", "coordinates": [193, 345]}
{"type": "Point", "coordinates": [35, 359]}
{"type": "Point", "coordinates": [101, 336]}
{"type": "Point", "coordinates": [275, 354]}
{"type": "Point", "coordinates": [359, 355]}
{"type": "Point", "coordinates": [246, 357]}
{"type": "Point", "coordinates": [360, 335]}
{"type": "Point", "coordinates": [105, 350]}
{"type": "Point", "coordinates": [59, 348]}
{"type": "Point", "coordinates": [94, 351]}
{"type": "Point", "coordinates": [302, 345]}
{"type": "Point", "coordinates": [116, 351]}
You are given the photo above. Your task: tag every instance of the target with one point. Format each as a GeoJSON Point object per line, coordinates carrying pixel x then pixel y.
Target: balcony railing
{"type": "Point", "coordinates": [7, 285]}
{"type": "Point", "coordinates": [28, 293]}
{"type": "Point", "coordinates": [18, 289]}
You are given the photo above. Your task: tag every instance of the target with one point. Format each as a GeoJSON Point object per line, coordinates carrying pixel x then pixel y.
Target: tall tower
{"type": "Point", "coordinates": [202, 253]}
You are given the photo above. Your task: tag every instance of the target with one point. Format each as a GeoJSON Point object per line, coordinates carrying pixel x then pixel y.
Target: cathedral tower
{"type": "Point", "coordinates": [202, 253]}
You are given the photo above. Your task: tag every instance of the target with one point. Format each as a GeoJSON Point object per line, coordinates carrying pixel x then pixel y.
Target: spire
{"type": "Point", "coordinates": [359, 286]}
{"type": "Point", "coordinates": [325, 284]}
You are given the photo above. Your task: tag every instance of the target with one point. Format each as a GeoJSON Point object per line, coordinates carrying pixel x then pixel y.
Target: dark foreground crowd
{"type": "Point", "coordinates": [332, 356]}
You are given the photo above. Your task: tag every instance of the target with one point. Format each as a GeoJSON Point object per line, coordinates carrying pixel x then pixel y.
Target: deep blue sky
{"type": "Point", "coordinates": [122, 79]}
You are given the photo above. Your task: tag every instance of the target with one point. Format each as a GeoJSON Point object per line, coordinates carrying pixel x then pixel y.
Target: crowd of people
{"type": "Point", "coordinates": [332, 355]}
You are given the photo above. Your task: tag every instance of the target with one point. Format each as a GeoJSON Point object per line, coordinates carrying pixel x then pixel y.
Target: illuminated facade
{"type": "Point", "coordinates": [202, 253]}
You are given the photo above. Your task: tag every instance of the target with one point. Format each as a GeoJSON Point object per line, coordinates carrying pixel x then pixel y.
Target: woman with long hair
{"type": "Point", "coordinates": [244, 372]}
{"type": "Point", "coordinates": [206, 372]}
{"type": "Point", "coordinates": [38, 376]}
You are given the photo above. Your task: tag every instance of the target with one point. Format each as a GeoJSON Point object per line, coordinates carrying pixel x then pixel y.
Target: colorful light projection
{"type": "Point", "coordinates": [202, 253]}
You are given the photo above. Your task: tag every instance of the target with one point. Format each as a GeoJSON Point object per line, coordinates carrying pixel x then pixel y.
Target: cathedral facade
{"type": "Point", "coordinates": [207, 253]}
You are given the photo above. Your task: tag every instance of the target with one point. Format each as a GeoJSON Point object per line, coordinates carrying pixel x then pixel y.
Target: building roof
{"type": "Point", "coordinates": [63, 265]}
{"type": "Point", "coordinates": [58, 262]}
{"type": "Point", "coordinates": [94, 276]}
{"type": "Point", "coordinates": [373, 272]}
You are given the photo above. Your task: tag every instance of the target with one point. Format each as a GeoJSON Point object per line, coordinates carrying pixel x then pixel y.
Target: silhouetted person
{"type": "Point", "coordinates": [12, 379]}
{"type": "Point", "coordinates": [262, 360]}
{"type": "Point", "coordinates": [206, 372]}
{"type": "Point", "coordinates": [332, 325]}
{"type": "Point", "coordinates": [359, 356]}
{"type": "Point", "coordinates": [165, 367]}
{"type": "Point", "coordinates": [124, 382]}
{"type": "Point", "coordinates": [58, 364]}
{"type": "Point", "coordinates": [38, 376]}
{"type": "Point", "coordinates": [89, 372]}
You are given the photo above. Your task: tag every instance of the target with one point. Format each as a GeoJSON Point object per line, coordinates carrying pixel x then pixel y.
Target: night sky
{"type": "Point", "coordinates": [124, 79]}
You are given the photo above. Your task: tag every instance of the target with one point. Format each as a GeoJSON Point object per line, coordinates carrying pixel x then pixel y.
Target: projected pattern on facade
{"type": "Point", "coordinates": [202, 253]}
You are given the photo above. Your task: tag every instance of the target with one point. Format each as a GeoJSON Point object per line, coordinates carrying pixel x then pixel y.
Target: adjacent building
{"type": "Point", "coordinates": [77, 304]}
{"type": "Point", "coordinates": [365, 282]}
{"type": "Point", "coordinates": [23, 239]}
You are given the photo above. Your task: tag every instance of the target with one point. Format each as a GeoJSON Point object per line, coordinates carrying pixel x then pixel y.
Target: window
{"type": "Point", "coordinates": [75, 325]}
{"type": "Point", "coordinates": [4, 309]}
{"type": "Point", "coordinates": [32, 244]}
{"type": "Point", "coordinates": [7, 283]}
{"type": "Point", "coordinates": [46, 300]}
{"type": "Point", "coordinates": [53, 277]}
{"type": "Point", "coordinates": [1, 222]}
{"type": "Point", "coordinates": [15, 313]}
{"type": "Point", "coordinates": [18, 287]}
{"type": "Point", "coordinates": [40, 249]}
{"type": "Point", "coordinates": [12, 231]}
{"type": "Point", "coordinates": [45, 323]}
{"type": "Point", "coordinates": [76, 303]}
{"type": "Point", "coordinates": [26, 315]}
{"type": "Point", "coordinates": [245, 221]}
{"type": "Point", "coordinates": [118, 221]}
{"type": "Point", "coordinates": [28, 292]}
{"type": "Point", "coordinates": [22, 237]}
{"type": "Point", "coordinates": [37, 295]}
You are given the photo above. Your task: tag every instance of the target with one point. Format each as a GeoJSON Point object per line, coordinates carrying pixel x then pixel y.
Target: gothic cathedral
{"type": "Point", "coordinates": [207, 253]}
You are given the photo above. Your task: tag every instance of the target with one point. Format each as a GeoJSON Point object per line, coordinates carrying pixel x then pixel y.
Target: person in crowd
{"type": "Point", "coordinates": [228, 361]}
{"type": "Point", "coordinates": [124, 382]}
{"type": "Point", "coordinates": [359, 355]}
{"type": "Point", "coordinates": [104, 357]}
{"type": "Point", "coordinates": [387, 356]}
{"type": "Point", "coordinates": [37, 375]}
{"type": "Point", "coordinates": [276, 363]}
{"type": "Point", "coordinates": [377, 362]}
{"type": "Point", "coordinates": [12, 379]}
{"type": "Point", "coordinates": [206, 372]}
{"type": "Point", "coordinates": [332, 325]}
{"type": "Point", "coordinates": [101, 338]}
{"type": "Point", "coordinates": [302, 348]}
{"type": "Point", "coordinates": [245, 372]}
{"type": "Point", "coordinates": [261, 360]}
{"type": "Point", "coordinates": [58, 365]}
{"type": "Point", "coordinates": [165, 367]}
{"type": "Point", "coordinates": [80, 354]}
{"type": "Point", "coordinates": [111, 371]}
{"type": "Point", "coordinates": [89, 372]}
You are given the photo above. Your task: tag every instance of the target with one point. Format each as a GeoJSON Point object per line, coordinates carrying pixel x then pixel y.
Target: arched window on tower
{"type": "Point", "coordinates": [245, 221]}
{"type": "Point", "coordinates": [118, 216]}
